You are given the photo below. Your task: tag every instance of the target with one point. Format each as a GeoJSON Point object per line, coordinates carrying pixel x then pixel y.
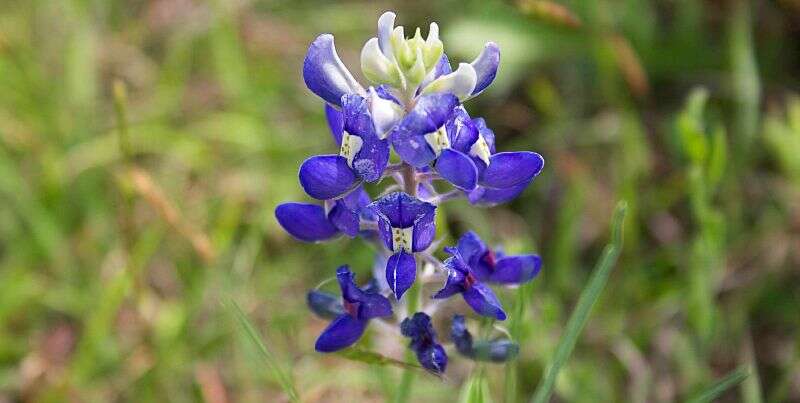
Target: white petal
{"type": "Point", "coordinates": [385, 28]}
{"type": "Point", "coordinates": [376, 66]}
{"type": "Point", "coordinates": [385, 113]}
{"type": "Point", "coordinates": [459, 83]}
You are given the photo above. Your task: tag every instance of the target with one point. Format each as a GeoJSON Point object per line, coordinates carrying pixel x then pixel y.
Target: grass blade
{"type": "Point", "coordinates": [732, 379]}
{"type": "Point", "coordinates": [582, 310]}
{"type": "Point", "coordinates": [266, 355]}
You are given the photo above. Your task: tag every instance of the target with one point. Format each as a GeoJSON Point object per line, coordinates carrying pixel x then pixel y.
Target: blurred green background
{"type": "Point", "coordinates": [130, 213]}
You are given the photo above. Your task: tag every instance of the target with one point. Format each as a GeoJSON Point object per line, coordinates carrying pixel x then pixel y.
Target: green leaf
{"type": "Point", "coordinates": [717, 160]}
{"type": "Point", "coordinates": [265, 354]}
{"type": "Point", "coordinates": [371, 357]}
{"type": "Point", "coordinates": [691, 128]}
{"type": "Point", "coordinates": [732, 379]}
{"type": "Point", "coordinates": [580, 315]}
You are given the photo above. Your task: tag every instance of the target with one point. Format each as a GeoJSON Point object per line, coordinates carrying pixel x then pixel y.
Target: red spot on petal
{"type": "Point", "coordinates": [351, 308]}
{"type": "Point", "coordinates": [489, 259]}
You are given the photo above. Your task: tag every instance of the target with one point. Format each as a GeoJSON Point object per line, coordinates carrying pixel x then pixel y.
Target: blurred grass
{"type": "Point", "coordinates": [106, 296]}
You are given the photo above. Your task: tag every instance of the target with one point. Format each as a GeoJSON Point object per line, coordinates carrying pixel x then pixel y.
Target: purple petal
{"type": "Point", "coordinates": [516, 269]}
{"type": "Point", "coordinates": [324, 305]}
{"type": "Point", "coordinates": [401, 210]}
{"type": "Point", "coordinates": [401, 270]}
{"type": "Point", "coordinates": [458, 169]}
{"type": "Point", "coordinates": [326, 177]}
{"type": "Point", "coordinates": [325, 74]}
{"type": "Point", "coordinates": [483, 301]}
{"type": "Point", "coordinates": [306, 222]}
{"type": "Point", "coordinates": [471, 247]}
{"type": "Point", "coordinates": [461, 131]}
{"type": "Point", "coordinates": [345, 213]}
{"type": "Point", "coordinates": [453, 285]}
{"type": "Point", "coordinates": [433, 358]}
{"type": "Point", "coordinates": [442, 67]}
{"type": "Point", "coordinates": [429, 114]}
{"type": "Point", "coordinates": [374, 306]}
{"type": "Point", "coordinates": [347, 283]}
{"type": "Point", "coordinates": [370, 161]}
{"type": "Point", "coordinates": [489, 197]}
{"type": "Point", "coordinates": [385, 92]}
{"type": "Point", "coordinates": [335, 122]}
{"type": "Point", "coordinates": [344, 219]}
{"type": "Point", "coordinates": [424, 231]}
{"type": "Point", "coordinates": [509, 169]}
{"type": "Point", "coordinates": [486, 66]}
{"type": "Point", "coordinates": [342, 332]}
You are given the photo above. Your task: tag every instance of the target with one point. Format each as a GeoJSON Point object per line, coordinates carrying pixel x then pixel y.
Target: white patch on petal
{"type": "Point", "coordinates": [459, 83]}
{"type": "Point", "coordinates": [481, 150]}
{"type": "Point", "coordinates": [402, 239]}
{"type": "Point", "coordinates": [351, 145]}
{"type": "Point", "coordinates": [438, 140]}
{"type": "Point", "coordinates": [385, 113]}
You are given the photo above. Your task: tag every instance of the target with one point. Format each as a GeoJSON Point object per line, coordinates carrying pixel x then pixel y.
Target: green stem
{"type": "Point", "coordinates": [412, 296]}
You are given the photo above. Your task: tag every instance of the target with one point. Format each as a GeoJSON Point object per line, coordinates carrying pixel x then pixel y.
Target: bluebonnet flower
{"type": "Point", "coordinates": [500, 350]}
{"type": "Point", "coordinates": [406, 225]}
{"type": "Point", "coordinates": [359, 307]}
{"type": "Point", "coordinates": [312, 223]}
{"type": "Point", "coordinates": [413, 105]}
{"type": "Point", "coordinates": [494, 266]}
{"type": "Point", "coordinates": [501, 176]}
{"type": "Point", "coordinates": [363, 155]}
{"type": "Point", "coordinates": [430, 354]}
{"type": "Point", "coordinates": [461, 279]}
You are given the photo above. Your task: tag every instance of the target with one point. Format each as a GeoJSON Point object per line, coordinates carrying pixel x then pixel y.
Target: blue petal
{"type": "Point", "coordinates": [486, 66]}
{"type": "Point", "coordinates": [454, 283]}
{"type": "Point", "coordinates": [433, 358]}
{"type": "Point", "coordinates": [510, 169]}
{"type": "Point", "coordinates": [401, 210]}
{"type": "Point", "coordinates": [424, 229]}
{"type": "Point", "coordinates": [324, 304]}
{"type": "Point", "coordinates": [461, 130]}
{"type": "Point", "coordinates": [306, 222]}
{"type": "Point", "coordinates": [347, 283]}
{"type": "Point", "coordinates": [458, 169]}
{"type": "Point", "coordinates": [335, 122]}
{"type": "Point", "coordinates": [346, 212]}
{"type": "Point", "coordinates": [326, 177]}
{"type": "Point", "coordinates": [489, 197]}
{"type": "Point", "coordinates": [401, 270]}
{"type": "Point", "coordinates": [419, 329]}
{"type": "Point", "coordinates": [516, 269]}
{"type": "Point", "coordinates": [370, 161]}
{"type": "Point", "coordinates": [325, 74]}
{"type": "Point", "coordinates": [342, 332]}
{"type": "Point", "coordinates": [430, 112]}
{"type": "Point", "coordinates": [461, 336]}
{"type": "Point", "coordinates": [384, 91]}
{"type": "Point", "coordinates": [471, 247]}
{"type": "Point", "coordinates": [370, 304]}
{"type": "Point", "coordinates": [441, 68]}
{"type": "Point", "coordinates": [483, 301]}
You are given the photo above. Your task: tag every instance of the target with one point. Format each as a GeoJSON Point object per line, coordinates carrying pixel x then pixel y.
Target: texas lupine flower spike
{"type": "Point", "coordinates": [408, 126]}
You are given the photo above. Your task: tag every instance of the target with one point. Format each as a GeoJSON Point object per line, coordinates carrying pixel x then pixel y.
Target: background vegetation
{"type": "Point", "coordinates": [145, 143]}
